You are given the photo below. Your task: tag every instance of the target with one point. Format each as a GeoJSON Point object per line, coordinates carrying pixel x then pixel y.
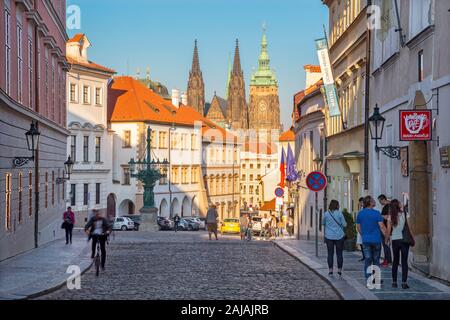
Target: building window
{"type": "Point", "coordinates": [250, 189]}
{"type": "Point", "coordinates": [46, 190]}
{"type": "Point", "coordinates": [184, 175]}
{"type": "Point", "coordinates": [73, 193]}
{"type": "Point", "coordinates": [86, 149]}
{"type": "Point", "coordinates": [174, 175]}
{"type": "Point", "coordinates": [53, 188]}
{"type": "Point", "coordinates": [127, 139]}
{"type": "Point", "coordinates": [243, 166]}
{"type": "Point", "coordinates": [251, 177]}
{"type": "Point", "coordinates": [421, 75]}
{"type": "Point", "coordinates": [251, 165]}
{"type": "Point", "coordinates": [19, 64]}
{"type": "Point", "coordinates": [30, 193]}
{"type": "Point", "coordinates": [86, 194]}
{"type": "Point", "coordinates": [194, 175]}
{"type": "Point", "coordinates": [73, 148]}
{"type": "Point", "coordinates": [8, 50]}
{"type": "Point", "coordinates": [8, 188]}
{"type": "Point", "coordinates": [268, 166]}
{"type": "Point", "coordinates": [73, 92]}
{"type": "Point", "coordinates": [98, 141]}
{"type": "Point", "coordinates": [97, 193]}
{"type": "Point", "coordinates": [20, 197]}
{"type": "Point", "coordinates": [153, 142]}
{"type": "Point", "coordinates": [98, 96]}
{"type": "Point", "coordinates": [86, 90]}
{"type": "Point", "coordinates": [162, 143]}
{"type": "Point", "coordinates": [163, 179]}
{"type": "Point", "coordinates": [193, 141]}
{"type": "Point", "coordinates": [126, 176]}
{"type": "Point", "coordinates": [259, 166]}
{"type": "Point", "coordinates": [243, 178]}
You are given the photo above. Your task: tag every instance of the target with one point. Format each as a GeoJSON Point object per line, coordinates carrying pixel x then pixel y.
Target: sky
{"type": "Point", "coordinates": [130, 34]}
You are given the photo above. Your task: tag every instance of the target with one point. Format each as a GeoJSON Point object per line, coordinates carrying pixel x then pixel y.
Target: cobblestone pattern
{"type": "Point", "coordinates": [195, 268]}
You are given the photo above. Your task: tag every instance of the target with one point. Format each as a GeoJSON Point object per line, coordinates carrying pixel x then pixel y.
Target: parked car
{"type": "Point", "coordinates": [123, 223]}
{"type": "Point", "coordinates": [136, 219]}
{"type": "Point", "coordinates": [256, 225]}
{"type": "Point", "coordinates": [230, 226]}
{"type": "Point", "coordinates": [188, 225]}
{"type": "Point", "coordinates": [164, 223]}
{"type": "Point", "coordinates": [202, 223]}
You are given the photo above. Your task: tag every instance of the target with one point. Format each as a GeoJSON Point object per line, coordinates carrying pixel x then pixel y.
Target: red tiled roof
{"type": "Point", "coordinates": [130, 100]}
{"type": "Point", "coordinates": [90, 65]}
{"type": "Point", "coordinates": [76, 38]}
{"type": "Point", "coordinates": [312, 69]}
{"type": "Point", "coordinates": [287, 136]}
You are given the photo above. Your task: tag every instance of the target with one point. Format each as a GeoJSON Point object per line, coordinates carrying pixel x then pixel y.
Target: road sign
{"type": "Point", "coordinates": [279, 192]}
{"type": "Point", "coordinates": [316, 181]}
{"type": "Point", "coordinates": [279, 201]}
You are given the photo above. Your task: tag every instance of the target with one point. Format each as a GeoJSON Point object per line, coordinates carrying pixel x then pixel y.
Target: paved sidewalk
{"type": "Point", "coordinates": [351, 285]}
{"type": "Point", "coordinates": [44, 269]}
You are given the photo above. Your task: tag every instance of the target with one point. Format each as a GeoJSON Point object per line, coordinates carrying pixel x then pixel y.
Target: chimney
{"type": "Point", "coordinates": [313, 75]}
{"type": "Point", "coordinates": [176, 97]}
{"type": "Point", "coordinates": [184, 99]}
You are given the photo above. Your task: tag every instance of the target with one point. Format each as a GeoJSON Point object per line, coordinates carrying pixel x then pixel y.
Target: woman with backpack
{"type": "Point", "coordinates": [402, 239]}
{"type": "Point", "coordinates": [334, 224]}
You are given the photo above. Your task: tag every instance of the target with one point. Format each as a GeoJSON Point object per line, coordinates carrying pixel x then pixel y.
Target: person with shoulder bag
{"type": "Point", "coordinates": [67, 225]}
{"type": "Point", "coordinates": [334, 224]}
{"type": "Point", "coordinates": [402, 239]}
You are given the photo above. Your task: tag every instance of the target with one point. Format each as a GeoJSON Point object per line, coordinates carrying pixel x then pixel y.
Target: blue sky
{"type": "Point", "coordinates": [160, 34]}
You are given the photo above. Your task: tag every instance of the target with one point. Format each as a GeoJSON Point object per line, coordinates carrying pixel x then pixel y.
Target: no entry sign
{"type": "Point", "coordinates": [316, 181]}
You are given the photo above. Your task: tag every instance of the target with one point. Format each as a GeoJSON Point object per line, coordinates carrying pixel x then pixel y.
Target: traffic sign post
{"type": "Point", "coordinates": [316, 182]}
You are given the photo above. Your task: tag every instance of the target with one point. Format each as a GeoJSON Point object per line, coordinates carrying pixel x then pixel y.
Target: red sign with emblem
{"type": "Point", "coordinates": [415, 125]}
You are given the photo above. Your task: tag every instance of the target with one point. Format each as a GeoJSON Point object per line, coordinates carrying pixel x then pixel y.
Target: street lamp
{"type": "Point", "coordinates": [68, 168]}
{"type": "Point", "coordinates": [148, 171]}
{"type": "Point", "coordinates": [376, 128]}
{"type": "Point", "coordinates": [32, 137]}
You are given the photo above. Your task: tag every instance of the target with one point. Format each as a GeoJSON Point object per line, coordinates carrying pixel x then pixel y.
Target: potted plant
{"type": "Point", "coordinates": [350, 232]}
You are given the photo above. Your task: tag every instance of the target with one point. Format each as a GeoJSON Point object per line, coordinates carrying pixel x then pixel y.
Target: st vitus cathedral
{"type": "Point", "coordinates": [233, 112]}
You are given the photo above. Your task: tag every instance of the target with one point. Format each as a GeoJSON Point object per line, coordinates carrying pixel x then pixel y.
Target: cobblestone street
{"type": "Point", "coordinates": [186, 265]}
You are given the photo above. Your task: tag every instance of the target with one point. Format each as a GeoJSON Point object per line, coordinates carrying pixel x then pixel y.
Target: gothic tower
{"type": "Point", "coordinates": [196, 86]}
{"type": "Point", "coordinates": [237, 112]}
{"type": "Point", "coordinates": [264, 110]}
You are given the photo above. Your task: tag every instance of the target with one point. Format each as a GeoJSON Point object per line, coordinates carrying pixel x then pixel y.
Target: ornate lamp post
{"type": "Point", "coordinates": [148, 172]}
{"type": "Point", "coordinates": [32, 136]}
{"type": "Point", "coordinates": [376, 128]}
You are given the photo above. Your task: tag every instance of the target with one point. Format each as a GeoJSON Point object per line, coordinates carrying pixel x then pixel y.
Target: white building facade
{"type": "Point", "coordinates": [90, 140]}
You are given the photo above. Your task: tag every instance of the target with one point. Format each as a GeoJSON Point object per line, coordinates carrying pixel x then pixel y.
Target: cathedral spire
{"type": "Point", "coordinates": [237, 60]}
{"type": "Point", "coordinates": [195, 60]}
{"type": "Point", "coordinates": [229, 75]}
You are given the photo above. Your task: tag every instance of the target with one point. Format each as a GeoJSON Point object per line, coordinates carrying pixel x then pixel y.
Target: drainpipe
{"type": "Point", "coordinates": [367, 106]}
{"type": "Point", "coordinates": [36, 155]}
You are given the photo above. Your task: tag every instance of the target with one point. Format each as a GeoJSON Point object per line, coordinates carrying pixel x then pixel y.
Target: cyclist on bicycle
{"type": "Point", "coordinates": [98, 229]}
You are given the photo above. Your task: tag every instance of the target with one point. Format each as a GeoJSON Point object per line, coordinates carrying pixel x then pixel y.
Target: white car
{"type": "Point", "coordinates": [201, 223]}
{"type": "Point", "coordinates": [257, 225]}
{"type": "Point", "coordinates": [123, 223]}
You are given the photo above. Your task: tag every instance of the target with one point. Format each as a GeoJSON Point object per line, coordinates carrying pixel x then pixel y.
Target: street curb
{"type": "Point", "coordinates": [344, 289]}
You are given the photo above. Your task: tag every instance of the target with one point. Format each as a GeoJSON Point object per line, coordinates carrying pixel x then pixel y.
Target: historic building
{"type": "Point", "coordinates": [264, 109]}
{"type": "Point", "coordinates": [258, 160]}
{"type": "Point", "coordinates": [156, 86]}
{"type": "Point", "coordinates": [217, 111]}
{"type": "Point", "coordinates": [411, 70]}
{"type": "Point", "coordinates": [32, 88]}
{"type": "Point", "coordinates": [196, 86]}
{"type": "Point", "coordinates": [237, 110]}
{"type": "Point", "coordinates": [309, 129]}
{"type": "Point", "coordinates": [90, 141]}
{"type": "Point", "coordinates": [345, 158]}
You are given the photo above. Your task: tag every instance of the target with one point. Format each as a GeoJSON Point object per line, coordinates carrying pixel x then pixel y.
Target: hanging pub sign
{"type": "Point", "coordinates": [415, 125]}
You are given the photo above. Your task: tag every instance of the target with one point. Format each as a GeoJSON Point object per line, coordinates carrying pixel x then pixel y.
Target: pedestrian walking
{"type": "Point", "coordinates": [249, 231]}
{"type": "Point", "coordinates": [334, 225]}
{"type": "Point", "coordinates": [68, 223]}
{"type": "Point", "coordinates": [211, 221]}
{"type": "Point", "coordinates": [265, 226]}
{"type": "Point", "coordinates": [243, 225]}
{"type": "Point", "coordinates": [402, 239]}
{"type": "Point", "coordinates": [370, 225]}
{"type": "Point", "coordinates": [176, 222]}
{"type": "Point", "coordinates": [358, 236]}
{"type": "Point", "coordinates": [386, 247]}
{"type": "Point", "coordinates": [290, 226]}
{"type": "Point", "coordinates": [273, 226]}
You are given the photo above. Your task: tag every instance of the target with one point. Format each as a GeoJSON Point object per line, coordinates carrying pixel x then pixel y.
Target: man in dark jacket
{"type": "Point", "coordinates": [176, 222]}
{"type": "Point", "coordinates": [98, 229]}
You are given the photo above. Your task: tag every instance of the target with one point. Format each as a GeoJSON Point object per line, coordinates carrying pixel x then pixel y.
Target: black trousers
{"type": "Point", "coordinates": [331, 244]}
{"type": "Point", "coordinates": [398, 247]}
{"type": "Point", "coordinates": [69, 228]}
{"type": "Point", "coordinates": [102, 239]}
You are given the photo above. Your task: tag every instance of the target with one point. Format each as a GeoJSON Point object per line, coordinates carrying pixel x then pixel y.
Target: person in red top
{"type": "Point", "coordinates": [69, 221]}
